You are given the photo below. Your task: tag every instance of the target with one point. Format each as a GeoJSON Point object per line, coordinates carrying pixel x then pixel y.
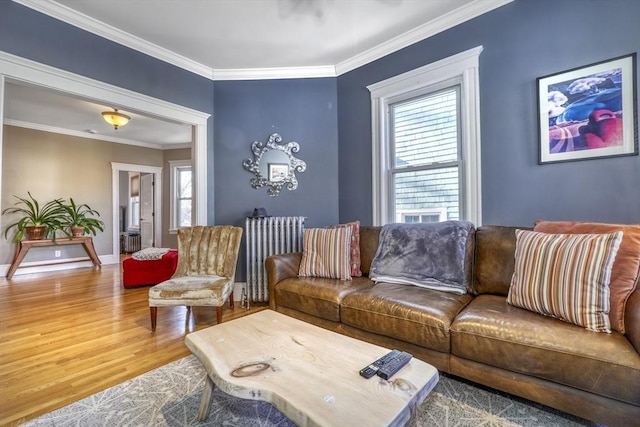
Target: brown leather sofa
{"type": "Point", "coordinates": [477, 336]}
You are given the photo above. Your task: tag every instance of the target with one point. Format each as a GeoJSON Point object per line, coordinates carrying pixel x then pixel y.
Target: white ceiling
{"type": "Point", "coordinates": [257, 34]}
{"type": "Point", "coordinates": [233, 39]}
{"type": "Point", "coordinates": [51, 111]}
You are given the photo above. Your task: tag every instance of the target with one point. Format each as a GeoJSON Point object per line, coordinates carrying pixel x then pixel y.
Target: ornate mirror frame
{"type": "Point", "coordinates": [278, 174]}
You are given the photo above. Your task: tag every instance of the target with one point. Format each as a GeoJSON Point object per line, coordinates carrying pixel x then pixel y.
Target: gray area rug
{"type": "Point", "coordinates": [170, 396]}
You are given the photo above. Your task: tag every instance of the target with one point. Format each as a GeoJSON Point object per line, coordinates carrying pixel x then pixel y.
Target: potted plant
{"type": "Point", "coordinates": [79, 218]}
{"type": "Point", "coordinates": [36, 221]}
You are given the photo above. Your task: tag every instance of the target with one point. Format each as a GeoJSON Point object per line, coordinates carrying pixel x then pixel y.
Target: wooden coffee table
{"type": "Point", "coordinates": [308, 373]}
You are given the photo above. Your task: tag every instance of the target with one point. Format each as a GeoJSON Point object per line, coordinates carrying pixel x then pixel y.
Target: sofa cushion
{"type": "Point", "coordinates": [490, 331]}
{"type": "Point", "coordinates": [495, 246]}
{"type": "Point", "coordinates": [369, 241]}
{"type": "Point", "coordinates": [317, 296]}
{"type": "Point", "coordinates": [565, 276]}
{"type": "Point", "coordinates": [412, 314]}
{"type": "Point", "coordinates": [354, 247]}
{"type": "Point", "coordinates": [326, 253]}
{"type": "Point", "coordinates": [427, 255]}
{"type": "Point", "coordinates": [626, 268]}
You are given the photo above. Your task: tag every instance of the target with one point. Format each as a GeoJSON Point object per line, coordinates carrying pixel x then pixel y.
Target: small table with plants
{"type": "Point", "coordinates": [41, 222]}
{"type": "Point", "coordinates": [24, 245]}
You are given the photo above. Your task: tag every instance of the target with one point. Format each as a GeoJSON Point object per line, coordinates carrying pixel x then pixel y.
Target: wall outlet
{"type": "Point", "coordinates": [56, 254]}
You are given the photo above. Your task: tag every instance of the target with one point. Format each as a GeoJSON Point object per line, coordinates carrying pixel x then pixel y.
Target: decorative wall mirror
{"type": "Point", "coordinates": [274, 165]}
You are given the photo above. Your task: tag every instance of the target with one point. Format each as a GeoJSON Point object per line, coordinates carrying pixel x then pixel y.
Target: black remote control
{"type": "Point", "coordinates": [389, 369]}
{"type": "Point", "coordinates": [371, 369]}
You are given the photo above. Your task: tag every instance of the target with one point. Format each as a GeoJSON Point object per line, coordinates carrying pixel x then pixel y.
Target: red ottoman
{"type": "Point", "coordinates": [140, 273]}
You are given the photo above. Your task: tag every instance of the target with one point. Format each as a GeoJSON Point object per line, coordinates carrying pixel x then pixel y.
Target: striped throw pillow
{"type": "Point", "coordinates": [326, 253]}
{"type": "Point", "coordinates": [565, 276]}
{"type": "Point", "coordinates": [354, 247]}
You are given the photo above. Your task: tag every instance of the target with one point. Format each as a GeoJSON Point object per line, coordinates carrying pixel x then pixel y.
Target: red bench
{"type": "Point", "coordinates": [141, 273]}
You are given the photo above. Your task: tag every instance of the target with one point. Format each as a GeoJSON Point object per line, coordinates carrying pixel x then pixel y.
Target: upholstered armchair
{"type": "Point", "coordinates": [207, 257]}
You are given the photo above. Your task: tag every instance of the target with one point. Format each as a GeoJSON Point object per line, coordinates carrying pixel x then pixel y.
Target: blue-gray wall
{"type": "Point", "coordinates": [522, 41]}
{"type": "Point", "coordinates": [301, 110]}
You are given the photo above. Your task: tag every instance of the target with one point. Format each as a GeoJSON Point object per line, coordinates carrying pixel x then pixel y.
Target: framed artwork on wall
{"type": "Point", "coordinates": [588, 112]}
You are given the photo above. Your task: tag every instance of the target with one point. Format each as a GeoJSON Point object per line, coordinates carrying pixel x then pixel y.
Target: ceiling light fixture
{"type": "Point", "coordinates": [115, 119]}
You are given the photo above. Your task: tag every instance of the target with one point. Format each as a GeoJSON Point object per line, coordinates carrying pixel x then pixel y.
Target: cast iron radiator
{"type": "Point", "coordinates": [129, 243]}
{"type": "Point", "coordinates": [265, 237]}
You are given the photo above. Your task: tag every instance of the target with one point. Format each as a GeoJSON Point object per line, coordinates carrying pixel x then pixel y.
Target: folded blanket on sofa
{"type": "Point", "coordinates": [150, 254]}
{"type": "Point", "coordinates": [427, 255]}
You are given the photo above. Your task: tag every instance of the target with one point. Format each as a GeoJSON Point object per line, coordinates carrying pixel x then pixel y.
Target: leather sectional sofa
{"type": "Point", "coordinates": [477, 336]}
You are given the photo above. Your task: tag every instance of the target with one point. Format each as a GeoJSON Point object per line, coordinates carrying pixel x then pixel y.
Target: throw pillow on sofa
{"type": "Point", "coordinates": [326, 253]}
{"type": "Point", "coordinates": [565, 276]}
{"type": "Point", "coordinates": [626, 268]}
{"type": "Point", "coordinates": [428, 255]}
{"type": "Point", "coordinates": [354, 247]}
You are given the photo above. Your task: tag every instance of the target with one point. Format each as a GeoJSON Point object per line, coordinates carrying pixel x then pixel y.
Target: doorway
{"type": "Point", "coordinates": [148, 192]}
{"type": "Point", "coordinates": [16, 69]}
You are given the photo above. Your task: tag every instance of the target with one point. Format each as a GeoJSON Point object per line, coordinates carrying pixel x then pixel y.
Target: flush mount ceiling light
{"type": "Point", "coordinates": [115, 119]}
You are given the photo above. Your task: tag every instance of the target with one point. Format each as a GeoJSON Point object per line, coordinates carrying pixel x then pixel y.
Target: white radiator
{"type": "Point", "coordinates": [265, 237]}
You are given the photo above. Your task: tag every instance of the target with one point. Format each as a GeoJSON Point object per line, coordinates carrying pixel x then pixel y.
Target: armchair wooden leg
{"type": "Point", "coordinates": [231, 301]}
{"type": "Point", "coordinates": [219, 314]}
{"type": "Point", "coordinates": [154, 315]}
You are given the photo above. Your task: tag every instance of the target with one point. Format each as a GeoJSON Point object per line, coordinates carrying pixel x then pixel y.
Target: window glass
{"type": "Point", "coordinates": [182, 193]}
{"type": "Point", "coordinates": [134, 209]}
{"type": "Point", "coordinates": [425, 143]}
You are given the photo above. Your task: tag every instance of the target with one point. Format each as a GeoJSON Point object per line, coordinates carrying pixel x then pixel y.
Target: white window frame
{"type": "Point", "coordinates": [462, 67]}
{"type": "Point", "coordinates": [441, 212]}
{"type": "Point", "coordinates": [174, 167]}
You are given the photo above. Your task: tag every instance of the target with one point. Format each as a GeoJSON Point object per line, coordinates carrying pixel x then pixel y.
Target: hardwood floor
{"type": "Point", "coordinates": [67, 335]}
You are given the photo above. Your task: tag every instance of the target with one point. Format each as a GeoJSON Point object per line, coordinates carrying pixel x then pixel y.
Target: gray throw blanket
{"type": "Point", "coordinates": [428, 255]}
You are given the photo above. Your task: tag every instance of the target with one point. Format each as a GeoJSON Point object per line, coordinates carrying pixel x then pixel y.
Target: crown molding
{"type": "Point", "coordinates": [274, 73]}
{"type": "Point", "coordinates": [445, 22]}
{"type": "Point", "coordinates": [429, 29]}
{"type": "Point", "coordinates": [92, 136]}
{"type": "Point", "coordinates": [87, 23]}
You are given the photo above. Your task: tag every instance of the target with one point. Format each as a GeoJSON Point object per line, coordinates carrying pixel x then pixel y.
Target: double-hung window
{"type": "Point", "coordinates": [426, 143]}
{"type": "Point", "coordinates": [181, 193]}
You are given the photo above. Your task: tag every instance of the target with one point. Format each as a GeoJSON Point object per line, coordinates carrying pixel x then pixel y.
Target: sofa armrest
{"type": "Point", "coordinates": [632, 319]}
{"type": "Point", "coordinates": [280, 267]}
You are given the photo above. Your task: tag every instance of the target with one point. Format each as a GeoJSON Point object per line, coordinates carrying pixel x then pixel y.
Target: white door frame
{"type": "Point", "coordinates": [18, 69]}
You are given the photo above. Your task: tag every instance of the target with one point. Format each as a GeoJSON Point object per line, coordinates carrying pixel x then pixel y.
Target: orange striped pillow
{"type": "Point", "coordinates": [326, 253]}
{"type": "Point", "coordinates": [626, 268]}
{"type": "Point", "coordinates": [565, 276]}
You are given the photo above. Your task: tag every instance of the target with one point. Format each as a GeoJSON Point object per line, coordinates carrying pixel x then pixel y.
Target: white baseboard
{"type": "Point", "coordinates": [57, 265]}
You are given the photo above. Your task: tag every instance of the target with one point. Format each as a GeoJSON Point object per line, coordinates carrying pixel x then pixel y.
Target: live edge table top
{"type": "Point", "coordinates": [308, 373]}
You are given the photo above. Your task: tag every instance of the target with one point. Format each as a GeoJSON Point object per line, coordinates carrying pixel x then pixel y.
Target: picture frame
{"type": "Point", "coordinates": [277, 171]}
{"type": "Point", "coordinates": [588, 112]}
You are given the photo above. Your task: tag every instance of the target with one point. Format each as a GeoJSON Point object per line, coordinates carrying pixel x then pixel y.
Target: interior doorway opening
{"type": "Point", "coordinates": [130, 191]}
{"type": "Point", "coordinates": [24, 71]}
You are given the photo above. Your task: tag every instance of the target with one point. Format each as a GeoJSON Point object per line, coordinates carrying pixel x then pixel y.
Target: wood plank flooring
{"type": "Point", "coordinates": [67, 335]}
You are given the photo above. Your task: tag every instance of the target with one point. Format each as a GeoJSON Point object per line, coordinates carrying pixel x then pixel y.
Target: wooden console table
{"type": "Point", "coordinates": [24, 245]}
